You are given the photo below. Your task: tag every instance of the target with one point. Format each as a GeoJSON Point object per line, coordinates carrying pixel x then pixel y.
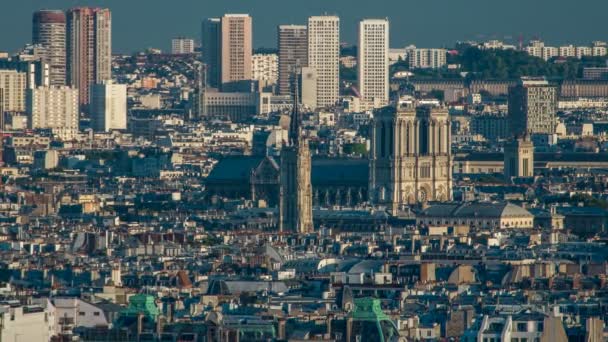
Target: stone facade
{"type": "Point", "coordinates": [295, 209]}
{"type": "Point", "coordinates": [411, 160]}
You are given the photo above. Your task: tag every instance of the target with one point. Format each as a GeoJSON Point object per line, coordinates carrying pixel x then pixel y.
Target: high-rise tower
{"type": "Point", "coordinates": [324, 57]}
{"type": "Point", "coordinates": [236, 48]}
{"type": "Point", "coordinates": [293, 51]}
{"type": "Point", "coordinates": [48, 30]}
{"type": "Point", "coordinates": [373, 62]}
{"type": "Point", "coordinates": [295, 208]}
{"type": "Point", "coordinates": [89, 49]}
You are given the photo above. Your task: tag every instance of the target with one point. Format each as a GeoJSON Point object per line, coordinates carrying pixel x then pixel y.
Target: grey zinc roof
{"type": "Point", "coordinates": [479, 209]}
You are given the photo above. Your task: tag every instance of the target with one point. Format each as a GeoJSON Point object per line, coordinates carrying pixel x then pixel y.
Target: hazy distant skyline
{"type": "Point", "coordinates": [139, 24]}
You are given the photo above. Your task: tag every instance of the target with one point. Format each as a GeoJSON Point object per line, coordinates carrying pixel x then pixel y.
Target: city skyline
{"type": "Point", "coordinates": [567, 23]}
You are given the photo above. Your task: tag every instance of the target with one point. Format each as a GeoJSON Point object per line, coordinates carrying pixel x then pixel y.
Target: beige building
{"type": "Point", "coordinates": [324, 57]}
{"type": "Point", "coordinates": [265, 68]}
{"type": "Point", "coordinates": [13, 85]}
{"type": "Point", "coordinates": [411, 160]}
{"type": "Point", "coordinates": [236, 48]}
{"type": "Point", "coordinates": [55, 108]}
{"type": "Point", "coordinates": [373, 62]}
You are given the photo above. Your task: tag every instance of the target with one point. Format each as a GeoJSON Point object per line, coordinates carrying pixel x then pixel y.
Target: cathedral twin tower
{"type": "Point", "coordinates": [410, 162]}
{"type": "Point", "coordinates": [410, 156]}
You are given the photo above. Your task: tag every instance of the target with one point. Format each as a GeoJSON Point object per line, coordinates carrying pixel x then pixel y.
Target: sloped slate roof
{"type": "Point", "coordinates": [479, 209]}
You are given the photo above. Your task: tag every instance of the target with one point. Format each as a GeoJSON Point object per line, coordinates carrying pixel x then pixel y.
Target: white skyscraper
{"type": "Point", "coordinates": [324, 57]}
{"type": "Point", "coordinates": [13, 84]}
{"type": "Point", "coordinates": [108, 106]}
{"type": "Point", "coordinates": [55, 108]}
{"type": "Point", "coordinates": [373, 62]}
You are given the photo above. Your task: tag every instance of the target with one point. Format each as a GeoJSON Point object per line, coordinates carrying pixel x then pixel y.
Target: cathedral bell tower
{"type": "Point", "coordinates": [295, 208]}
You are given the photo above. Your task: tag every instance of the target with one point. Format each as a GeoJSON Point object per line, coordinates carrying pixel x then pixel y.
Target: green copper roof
{"type": "Point", "coordinates": [368, 309]}
{"type": "Point", "coordinates": [142, 303]}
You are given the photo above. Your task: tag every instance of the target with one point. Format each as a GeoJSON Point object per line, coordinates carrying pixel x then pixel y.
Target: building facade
{"type": "Point", "coordinates": [532, 107]}
{"type": "Point", "coordinates": [324, 57]}
{"type": "Point", "coordinates": [182, 46]}
{"type": "Point", "coordinates": [265, 68]}
{"type": "Point", "coordinates": [48, 30]}
{"type": "Point", "coordinates": [373, 62]}
{"type": "Point", "coordinates": [55, 108]}
{"type": "Point", "coordinates": [89, 49]}
{"type": "Point", "coordinates": [236, 48]}
{"type": "Point", "coordinates": [411, 159]}
{"type": "Point", "coordinates": [109, 106]}
{"type": "Point", "coordinates": [13, 85]}
{"type": "Point", "coordinates": [293, 53]}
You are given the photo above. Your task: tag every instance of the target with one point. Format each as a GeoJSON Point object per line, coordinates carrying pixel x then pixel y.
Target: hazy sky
{"type": "Point", "coordinates": [139, 24]}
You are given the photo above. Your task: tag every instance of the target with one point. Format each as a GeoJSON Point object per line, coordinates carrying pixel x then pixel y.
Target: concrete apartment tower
{"type": "Point", "coordinates": [519, 158]}
{"type": "Point", "coordinates": [293, 54]}
{"type": "Point", "coordinates": [411, 159]}
{"type": "Point", "coordinates": [211, 51]}
{"type": "Point", "coordinates": [295, 207]}
{"type": "Point", "coordinates": [48, 30]}
{"type": "Point", "coordinates": [373, 63]}
{"type": "Point", "coordinates": [55, 108]}
{"type": "Point", "coordinates": [89, 49]}
{"type": "Point", "coordinates": [108, 107]}
{"type": "Point", "coordinates": [532, 106]}
{"type": "Point", "coordinates": [324, 57]}
{"type": "Point", "coordinates": [236, 48]}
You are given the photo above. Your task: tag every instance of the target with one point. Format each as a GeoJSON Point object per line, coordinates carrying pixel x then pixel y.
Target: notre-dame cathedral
{"type": "Point", "coordinates": [410, 156]}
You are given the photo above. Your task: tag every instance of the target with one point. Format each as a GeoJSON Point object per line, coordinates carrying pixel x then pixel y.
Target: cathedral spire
{"type": "Point", "coordinates": [294, 124]}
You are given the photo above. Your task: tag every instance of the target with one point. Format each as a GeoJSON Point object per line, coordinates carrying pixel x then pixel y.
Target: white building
{"type": "Point", "coordinates": [373, 62]}
{"type": "Point", "coordinates": [324, 57]}
{"type": "Point", "coordinates": [75, 312]}
{"type": "Point", "coordinates": [13, 85]}
{"type": "Point", "coordinates": [108, 106]}
{"type": "Point", "coordinates": [426, 58]}
{"type": "Point", "coordinates": [27, 323]}
{"type": "Point", "coordinates": [181, 46]}
{"type": "Point", "coordinates": [55, 108]}
{"type": "Point", "coordinates": [265, 68]}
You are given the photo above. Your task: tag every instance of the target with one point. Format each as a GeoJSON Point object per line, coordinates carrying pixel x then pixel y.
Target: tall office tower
{"type": "Point", "coordinates": [295, 207]}
{"type": "Point", "coordinates": [211, 50]}
{"type": "Point", "coordinates": [53, 107]}
{"type": "Point", "coordinates": [182, 46]}
{"type": "Point", "coordinates": [13, 84]}
{"type": "Point", "coordinates": [235, 62]}
{"type": "Point", "coordinates": [108, 106]}
{"type": "Point", "coordinates": [373, 62]}
{"type": "Point", "coordinates": [293, 54]}
{"type": "Point", "coordinates": [89, 49]}
{"type": "Point", "coordinates": [324, 57]}
{"type": "Point", "coordinates": [411, 159]}
{"type": "Point", "coordinates": [49, 31]}
{"type": "Point", "coordinates": [532, 106]}
{"type": "Point", "coordinates": [519, 158]}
